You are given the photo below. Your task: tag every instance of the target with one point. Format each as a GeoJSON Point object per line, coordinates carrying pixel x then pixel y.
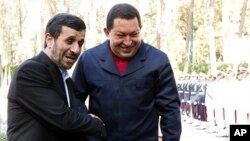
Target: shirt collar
{"type": "Point", "coordinates": [65, 74]}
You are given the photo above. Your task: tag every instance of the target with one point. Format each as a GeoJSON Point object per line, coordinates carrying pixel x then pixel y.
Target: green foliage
{"type": "Point", "coordinates": [202, 68]}
{"type": "Point", "coordinates": [199, 68]}
{"type": "Point", "coordinates": [195, 68]}
{"type": "Point", "coordinates": [224, 67]}
{"type": "Point", "coordinates": [180, 66]}
{"type": "Point", "coordinates": [11, 68]}
{"type": "Point", "coordinates": [243, 64]}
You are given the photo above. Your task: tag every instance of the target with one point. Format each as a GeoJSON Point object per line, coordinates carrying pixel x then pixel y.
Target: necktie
{"type": "Point", "coordinates": [70, 86]}
{"type": "Point", "coordinates": [75, 101]}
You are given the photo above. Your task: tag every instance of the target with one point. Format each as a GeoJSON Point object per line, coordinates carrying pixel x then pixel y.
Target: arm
{"type": "Point", "coordinates": [168, 104]}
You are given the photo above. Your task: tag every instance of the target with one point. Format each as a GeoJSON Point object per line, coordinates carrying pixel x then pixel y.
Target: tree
{"type": "Point", "coordinates": [211, 38]}
{"type": "Point", "coordinates": [242, 19]}
{"type": "Point", "coordinates": [189, 31]}
{"type": "Point", "coordinates": [1, 71]}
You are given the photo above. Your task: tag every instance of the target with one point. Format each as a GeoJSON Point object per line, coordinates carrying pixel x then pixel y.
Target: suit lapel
{"type": "Point", "coordinates": [136, 62]}
{"type": "Point", "coordinates": [106, 58]}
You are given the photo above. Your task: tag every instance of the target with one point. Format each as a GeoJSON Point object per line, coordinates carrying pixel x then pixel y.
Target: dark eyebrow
{"type": "Point", "coordinates": [135, 32]}
{"type": "Point", "coordinates": [71, 38]}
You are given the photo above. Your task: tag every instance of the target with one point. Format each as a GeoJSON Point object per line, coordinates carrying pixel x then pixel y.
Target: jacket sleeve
{"type": "Point", "coordinates": [168, 103]}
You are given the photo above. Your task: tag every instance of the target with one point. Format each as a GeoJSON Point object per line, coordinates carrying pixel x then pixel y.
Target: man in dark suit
{"type": "Point", "coordinates": [130, 83]}
{"type": "Point", "coordinates": [41, 104]}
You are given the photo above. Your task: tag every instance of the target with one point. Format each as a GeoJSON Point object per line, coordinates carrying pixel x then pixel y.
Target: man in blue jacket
{"type": "Point", "coordinates": [129, 83]}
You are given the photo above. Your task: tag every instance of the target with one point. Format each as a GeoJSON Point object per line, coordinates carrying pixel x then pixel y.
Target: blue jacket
{"type": "Point", "coordinates": [130, 104]}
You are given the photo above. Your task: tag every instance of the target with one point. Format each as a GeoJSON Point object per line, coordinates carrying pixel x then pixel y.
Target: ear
{"type": "Point", "coordinates": [49, 40]}
{"type": "Point", "coordinates": [106, 31]}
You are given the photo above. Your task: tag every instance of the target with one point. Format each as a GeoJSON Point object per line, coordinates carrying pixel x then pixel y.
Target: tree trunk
{"type": "Point", "coordinates": [212, 50]}
{"type": "Point", "coordinates": [1, 71]}
{"type": "Point", "coordinates": [158, 22]}
{"type": "Point", "coordinates": [242, 19]}
{"type": "Point", "coordinates": [92, 24]}
{"type": "Point", "coordinates": [189, 30]}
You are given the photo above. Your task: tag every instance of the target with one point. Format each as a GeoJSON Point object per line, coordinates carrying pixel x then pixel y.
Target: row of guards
{"type": "Point", "coordinates": [213, 102]}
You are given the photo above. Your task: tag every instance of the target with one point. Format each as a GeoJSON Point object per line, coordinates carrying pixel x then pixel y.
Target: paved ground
{"type": "Point", "coordinates": [191, 133]}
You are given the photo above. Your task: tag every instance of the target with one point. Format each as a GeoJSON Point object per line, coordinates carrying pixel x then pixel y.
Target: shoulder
{"type": "Point", "coordinates": [37, 63]}
{"type": "Point", "coordinates": [153, 49]}
{"type": "Point", "coordinates": [33, 68]}
{"type": "Point", "coordinates": [30, 64]}
{"type": "Point", "coordinates": [99, 48]}
{"type": "Point", "coordinates": [99, 51]}
{"type": "Point", "coordinates": [154, 52]}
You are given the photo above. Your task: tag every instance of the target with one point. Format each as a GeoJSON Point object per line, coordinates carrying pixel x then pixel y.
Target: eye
{"type": "Point", "coordinates": [120, 35]}
{"type": "Point", "coordinates": [70, 41]}
{"type": "Point", "coordinates": [135, 34]}
{"type": "Point", "coordinates": [80, 43]}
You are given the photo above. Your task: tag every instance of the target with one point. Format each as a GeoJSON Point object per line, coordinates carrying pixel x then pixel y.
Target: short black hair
{"type": "Point", "coordinates": [54, 26]}
{"type": "Point", "coordinates": [124, 11]}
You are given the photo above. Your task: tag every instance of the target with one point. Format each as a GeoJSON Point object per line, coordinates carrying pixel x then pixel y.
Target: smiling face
{"type": "Point", "coordinates": [65, 50]}
{"type": "Point", "coordinates": [124, 37]}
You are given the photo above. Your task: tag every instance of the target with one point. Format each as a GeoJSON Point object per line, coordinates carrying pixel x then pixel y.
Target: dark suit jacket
{"type": "Point", "coordinates": [37, 106]}
{"type": "Point", "coordinates": [130, 104]}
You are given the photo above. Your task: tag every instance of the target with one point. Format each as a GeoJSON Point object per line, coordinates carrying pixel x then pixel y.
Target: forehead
{"type": "Point", "coordinates": [67, 31]}
{"type": "Point", "coordinates": [120, 23]}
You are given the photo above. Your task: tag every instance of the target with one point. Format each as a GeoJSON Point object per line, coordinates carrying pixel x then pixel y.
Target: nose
{"type": "Point", "coordinates": [127, 41]}
{"type": "Point", "coordinates": [76, 48]}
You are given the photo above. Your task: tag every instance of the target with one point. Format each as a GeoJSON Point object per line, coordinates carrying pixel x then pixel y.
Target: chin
{"type": "Point", "coordinates": [127, 56]}
{"type": "Point", "coordinates": [69, 67]}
